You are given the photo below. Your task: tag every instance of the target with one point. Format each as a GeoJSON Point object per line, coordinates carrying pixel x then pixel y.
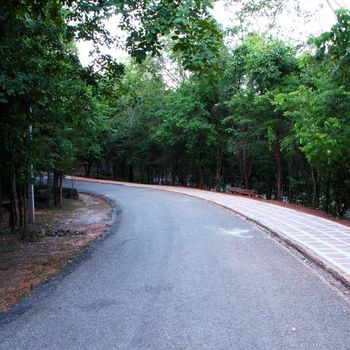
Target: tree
{"type": "Point", "coordinates": [321, 110]}
{"type": "Point", "coordinates": [43, 83]}
{"type": "Point", "coordinates": [194, 32]}
{"type": "Point", "coordinates": [262, 68]}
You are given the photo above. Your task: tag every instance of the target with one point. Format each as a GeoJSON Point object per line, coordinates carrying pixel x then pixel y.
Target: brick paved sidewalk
{"type": "Point", "coordinates": [328, 241]}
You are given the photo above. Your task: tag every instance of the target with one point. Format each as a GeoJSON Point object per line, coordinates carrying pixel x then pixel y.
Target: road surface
{"type": "Point", "coordinates": [177, 272]}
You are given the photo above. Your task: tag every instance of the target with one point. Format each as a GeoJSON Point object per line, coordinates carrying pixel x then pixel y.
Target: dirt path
{"type": "Point", "coordinates": [59, 236]}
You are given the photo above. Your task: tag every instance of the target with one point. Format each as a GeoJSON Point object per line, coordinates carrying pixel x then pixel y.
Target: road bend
{"type": "Point", "coordinates": [177, 272]}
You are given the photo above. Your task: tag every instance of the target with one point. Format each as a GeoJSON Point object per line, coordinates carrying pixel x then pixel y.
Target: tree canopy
{"type": "Point", "coordinates": [259, 114]}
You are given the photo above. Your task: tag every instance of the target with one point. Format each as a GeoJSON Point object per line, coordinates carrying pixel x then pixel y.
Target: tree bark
{"type": "Point", "coordinates": [131, 173]}
{"type": "Point", "coordinates": [13, 202]}
{"type": "Point", "coordinates": [327, 192]}
{"type": "Point", "coordinates": [59, 192]}
{"type": "Point", "coordinates": [173, 171]}
{"type": "Point", "coordinates": [55, 186]}
{"type": "Point", "coordinates": [290, 187]}
{"type": "Point", "coordinates": [182, 172]}
{"type": "Point", "coordinates": [201, 178]}
{"type": "Point", "coordinates": [98, 169]}
{"type": "Point", "coordinates": [48, 188]}
{"type": "Point", "coordinates": [279, 182]}
{"type": "Point", "coordinates": [1, 202]}
{"type": "Point", "coordinates": [20, 205]}
{"type": "Point", "coordinates": [315, 195]}
{"type": "Point", "coordinates": [87, 167]}
{"type": "Point", "coordinates": [25, 206]}
{"type": "Point", "coordinates": [247, 167]}
{"type": "Point", "coordinates": [218, 175]}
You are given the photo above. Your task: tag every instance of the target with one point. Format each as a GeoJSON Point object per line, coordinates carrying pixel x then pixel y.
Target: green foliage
{"type": "Point", "coordinates": [43, 85]}
{"type": "Point", "coordinates": [335, 43]}
{"type": "Point", "coordinates": [320, 110]}
{"type": "Point", "coordinates": [195, 33]}
{"type": "Point", "coordinates": [258, 115]}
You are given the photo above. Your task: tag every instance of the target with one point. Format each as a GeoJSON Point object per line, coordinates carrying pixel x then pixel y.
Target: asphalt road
{"type": "Point", "coordinates": [180, 273]}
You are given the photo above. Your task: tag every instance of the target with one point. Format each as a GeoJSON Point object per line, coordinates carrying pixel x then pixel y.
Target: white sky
{"type": "Point", "coordinates": [292, 27]}
{"type": "Point", "coordinates": [289, 25]}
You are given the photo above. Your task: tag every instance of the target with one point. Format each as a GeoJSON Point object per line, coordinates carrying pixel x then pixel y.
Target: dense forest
{"type": "Point", "coordinates": [187, 108]}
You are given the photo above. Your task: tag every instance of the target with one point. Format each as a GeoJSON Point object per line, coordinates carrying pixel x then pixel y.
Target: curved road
{"type": "Point", "coordinates": [177, 273]}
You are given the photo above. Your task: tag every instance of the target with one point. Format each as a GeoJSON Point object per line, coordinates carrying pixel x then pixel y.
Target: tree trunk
{"type": "Point", "coordinates": [279, 182]}
{"type": "Point", "coordinates": [41, 179]}
{"type": "Point", "coordinates": [245, 166]}
{"type": "Point", "coordinates": [25, 206]}
{"type": "Point", "coordinates": [87, 167]}
{"type": "Point", "coordinates": [60, 183]}
{"type": "Point", "coordinates": [131, 173]}
{"type": "Point", "coordinates": [327, 192]}
{"type": "Point", "coordinates": [29, 197]}
{"type": "Point", "coordinates": [1, 202]}
{"type": "Point", "coordinates": [185, 172]}
{"type": "Point", "coordinates": [108, 168]}
{"type": "Point", "coordinates": [315, 195]}
{"type": "Point", "coordinates": [201, 178]}
{"type": "Point", "coordinates": [218, 175]}
{"type": "Point", "coordinates": [48, 188]}
{"type": "Point", "coordinates": [290, 187]}
{"type": "Point", "coordinates": [149, 175]}
{"type": "Point", "coordinates": [161, 181]}
{"type": "Point", "coordinates": [13, 202]}
{"type": "Point", "coordinates": [55, 187]}
{"type": "Point", "coordinates": [20, 205]}
{"type": "Point", "coordinates": [184, 175]}
{"type": "Point", "coordinates": [173, 171]}
{"type": "Point", "coordinates": [98, 170]}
